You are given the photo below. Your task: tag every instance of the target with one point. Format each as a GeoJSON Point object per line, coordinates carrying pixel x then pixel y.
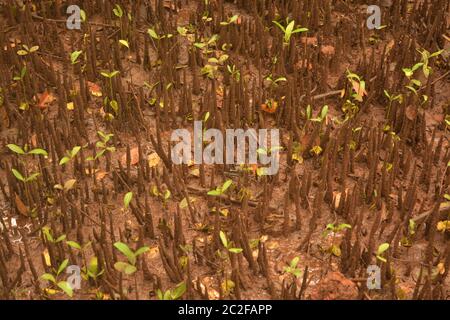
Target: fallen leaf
{"type": "Point", "coordinates": [153, 159]}
{"type": "Point", "coordinates": [195, 172]}
{"type": "Point", "coordinates": [45, 99]}
{"type": "Point", "coordinates": [100, 175]}
{"type": "Point", "coordinates": [270, 106]}
{"type": "Point", "coordinates": [360, 91]}
{"type": "Point", "coordinates": [21, 207]}
{"type": "Point", "coordinates": [94, 89]}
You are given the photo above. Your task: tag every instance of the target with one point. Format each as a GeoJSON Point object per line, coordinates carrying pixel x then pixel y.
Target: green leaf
{"type": "Point", "coordinates": [141, 251]}
{"type": "Point", "coordinates": [15, 148]}
{"type": "Point", "coordinates": [118, 11]}
{"type": "Point", "coordinates": [299, 30]}
{"type": "Point", "coordinates": [41, 152]}
{"type": "Point", "coordinates": [124, 43]}
{"type": "Point", "coordinates": [234, 18]}
{"type": "Point", "coordinates": [48, 277]}
{"type": "Point", "coordinates": [324, 112]}
{"type": "Point", "coordinates": [294, 262]}
{"type": "Point", "coordinates": [127, 199]}
{"type": "Point", "coordinates": [93, 266]}
{"type": "Point", "coordinates": [62, 266]}
{"type": "Point", "coordinates": [288, 32]}
{"type": "Point", "coordinates": [279, 26]}
{"type": "Point", "coordinates": [83, 15]}
{"type": "Point", "coordinates": [125, 267]}
{"type": "Point", "coordinates": [73, 244]}
{"type": "Point", "coordinates": [74, 151]}
{"type": "Point", "coordinates": [214, 193]}
{"type": "Point", "coordinates": [223, 238]}
{"type": "Point", "coordinates": [74, 56]}
{"type": "Point", "coordinates": [34, 49]}
{"type": "Point", "coordinates": [235, 250]}
{"type": "Point", "coordinates": [226, 185]}
{"type": "Point", "coordinates": [382, 248]}
{"type": "Point", "coordinates": [22, 52]}
{"type": "Point", "coordinates": [153, 33]}
{"type": "Point", "coordinates": [122, 247]}
{"type": "Point", "coordinates": [64, 160]}
{"type": "Point", "coordinates": [65, 286]}
{"type": "Point", "coordinates": [18, 175]}
{"type": "Point", "coordinates": [60, 238]}
{"type": "Point", "coordinates": [32, 177]}
{"type": "Point", "coordinates": [178, 291]}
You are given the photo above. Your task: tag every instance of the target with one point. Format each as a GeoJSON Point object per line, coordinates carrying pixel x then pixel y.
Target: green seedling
{"type": "Point", "coordinates": [163, 196]}
{"type": "Point", "coordinates": [103, 145]}
{"type": "Point", "coordinates": [130, 266]}
{"type": "Point", "coordinates": [289, 30]}
{"type": "Point", "coordinates": [275, 81]}
{"type": "Point", "coordinates": [92, 270]}
{"type": "Point", "coordinates": [320, 118]}
{"type": "Point", "coordinates": [26, 50]}
{"type": "Point", "coordinates": [228, 245]}
{"type": "Point", "coordinates": [152, 33]}
{"type": "Point", "coordinates": [174, 294]}
{"type": "Point", "coordinates": [231, 20]}
{"type": "Point", "coordinates": [127, 199]}
{"type": "Point", "coordinates": [221, 190]}
{"type": "Point", "coordinates": [74, 56]}
{"type": "Point", "coordinates": [426, 56]}
{"type": "Point", "coordinates": [292, 268]}
{"type": "Point", "coordinates": [392, 99]}
{"type": "Point", "coordinates": [24, 151]}
{"type": "Point", "coordinates": [381, 249]}
{"type": "Point", "coordinates": [335, 249]}
{"type": "Point", "coordinates": [22, 74]}
{"type": "Point", "coordinates": [234, 72]}
{"type": "Point", "coordinates": [49, 236]}
{"type": "Point", "coordinates": [19, 176]}
{"type": "Point", "coordinates": [358, 86]}
{"type": "Point", "coordinates": [53, 279]}
{"type": "Point", "coordinates": [70, 155]}
{"type": "Point", "coordinates": [206, 44]}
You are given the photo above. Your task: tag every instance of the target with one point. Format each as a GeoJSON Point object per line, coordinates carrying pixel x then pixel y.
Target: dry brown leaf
{"type": "Point", "coordinates": [100, 175]}
{"type": "Point", "coordinates": [94, 89]}
{"type": "Point", "coordinates": [21, 207]}
{"type": "Point", "coordinates": [361, 92]}
{"type": "Point", "coordinates": [45, 99]}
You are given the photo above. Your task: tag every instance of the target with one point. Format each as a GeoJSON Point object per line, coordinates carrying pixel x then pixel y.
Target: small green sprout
{"type": "Point", "coordinates": [292, 268]}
